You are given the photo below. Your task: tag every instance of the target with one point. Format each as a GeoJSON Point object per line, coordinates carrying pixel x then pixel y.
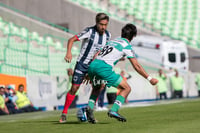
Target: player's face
{"type": "Point", "coordinates": [21, 89]}
{"type": "Point", "coordinates": [102, 26]}
{"type": "Point", "coordinates": [2, 91]}
{"type": "Point", "coordinates": [160, 72]}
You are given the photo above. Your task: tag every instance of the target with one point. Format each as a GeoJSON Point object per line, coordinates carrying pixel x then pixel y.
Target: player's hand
{"type": "Point", "coordinates": [86, 79]}
{"type": "Point", "coordinates": [68, 57]}
{"type": "Point", "coordinates": [153, 81]}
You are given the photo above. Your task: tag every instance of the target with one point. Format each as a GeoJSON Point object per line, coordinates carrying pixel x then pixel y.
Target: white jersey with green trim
{"type": "Point", "coordinates": [116, 49]}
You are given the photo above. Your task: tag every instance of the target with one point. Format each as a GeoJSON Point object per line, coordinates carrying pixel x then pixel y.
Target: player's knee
{"type": "Point", "coordinates": [73, 89]}
{"type": "Point", "coordinates": [128, 89]}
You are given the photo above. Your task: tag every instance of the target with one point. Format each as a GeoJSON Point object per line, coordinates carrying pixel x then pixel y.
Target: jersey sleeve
{"type": "Point", "coordinates": [129, 52]}
{"type": "Point", "coordinates": [83, 34]}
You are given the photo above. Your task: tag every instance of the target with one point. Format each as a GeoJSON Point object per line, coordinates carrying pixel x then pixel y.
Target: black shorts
{"type": "Point", "coordinates": [80, 71]}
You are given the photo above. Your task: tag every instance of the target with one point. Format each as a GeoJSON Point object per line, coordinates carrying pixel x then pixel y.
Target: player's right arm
{"type": "Point", "coordinates": [141, 71]}
{"type": "Point", "coordinates": [68, 56]}
{"type": "Point", "coordinates": [82, 35]}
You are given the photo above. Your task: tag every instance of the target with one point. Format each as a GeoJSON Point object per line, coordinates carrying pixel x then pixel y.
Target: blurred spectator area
{"type": "Point", "coordinates": [28, 53]}
{"type": "Point", "coordinates": [176, 19]}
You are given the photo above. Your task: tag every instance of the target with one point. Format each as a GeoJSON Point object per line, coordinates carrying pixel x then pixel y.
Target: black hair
{"type": "Point", "coordinates": [101, 16]}
{"type": "Point", "coordinates": [2, 87]}
{"type": "Point", "coordinates": [21, 85]}
{"type": "Point", "coordinates": [129, 31]}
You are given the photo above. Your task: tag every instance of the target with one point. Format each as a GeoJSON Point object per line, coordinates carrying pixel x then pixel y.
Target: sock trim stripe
{"type": "Point", "coordinates": [118, 103]}
{"type": "Point", "coordinates": [91, 100]}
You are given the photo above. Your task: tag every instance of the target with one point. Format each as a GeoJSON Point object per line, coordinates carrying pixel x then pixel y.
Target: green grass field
{"type": "Point", "coordinates": [179, 116]}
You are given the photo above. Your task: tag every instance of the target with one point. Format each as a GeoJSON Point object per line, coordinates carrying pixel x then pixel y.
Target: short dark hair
{"type": "Point", "coordinates": [2, 87]}
{"type": "Point", "coordinates": [101, 16]}
{"type": "Point", "coordinates": [129, 31]}
{"type": "Point", "coordinates": [21, 85]}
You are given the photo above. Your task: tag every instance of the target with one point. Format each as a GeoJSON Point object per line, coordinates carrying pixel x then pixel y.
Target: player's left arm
{"type": "Point", "coordinates": [6, 110]}
{"type": "Point", "coordinates": [68, 56]}
{"type": "Point", "coordinates": [94, 57]}
{"type": "Point", "coordinates": [141, 71]}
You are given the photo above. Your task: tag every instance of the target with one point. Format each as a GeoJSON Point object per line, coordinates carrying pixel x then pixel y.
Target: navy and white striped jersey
{"type": "Point", "coordinates": [92, 42]}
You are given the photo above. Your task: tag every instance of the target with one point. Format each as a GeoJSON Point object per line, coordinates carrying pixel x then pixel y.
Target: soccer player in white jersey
{"type": "Point", "coordinates": [93, 39]}
{"type": "Point", "coordinates": [102, 69]}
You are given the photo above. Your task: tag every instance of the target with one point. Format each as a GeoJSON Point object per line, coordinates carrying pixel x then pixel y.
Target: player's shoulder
{"type": "Point", "coordinates": [85, 31]}
{"type": "Point", "coordinates": [89, 28]}
{"type": "Point", "coordinates": [124, 42]}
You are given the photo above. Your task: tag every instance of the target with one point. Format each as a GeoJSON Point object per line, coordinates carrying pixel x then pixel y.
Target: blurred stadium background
{"type": "Point", "coordinates": [34, 35]}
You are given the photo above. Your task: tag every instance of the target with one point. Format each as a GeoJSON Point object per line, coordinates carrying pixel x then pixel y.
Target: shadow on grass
{"type": "Point", "coordinates": [77, 122]}
{"type": "Point", "coordinates": [67, 123]}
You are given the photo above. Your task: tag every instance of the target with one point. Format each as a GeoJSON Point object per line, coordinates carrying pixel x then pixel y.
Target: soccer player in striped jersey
{"type": "Point", "coordinates": [102, 69]}
{"type": "Point", "coordinates": [93, 39]}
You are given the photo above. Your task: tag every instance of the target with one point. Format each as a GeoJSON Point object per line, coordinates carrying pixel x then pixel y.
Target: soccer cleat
{"type": "Point", "coordinates": [90, 115]}
{"type": "Point", "coordinates": [63, 118]}
{"type": "Point", "coordinates": [116, 115]}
